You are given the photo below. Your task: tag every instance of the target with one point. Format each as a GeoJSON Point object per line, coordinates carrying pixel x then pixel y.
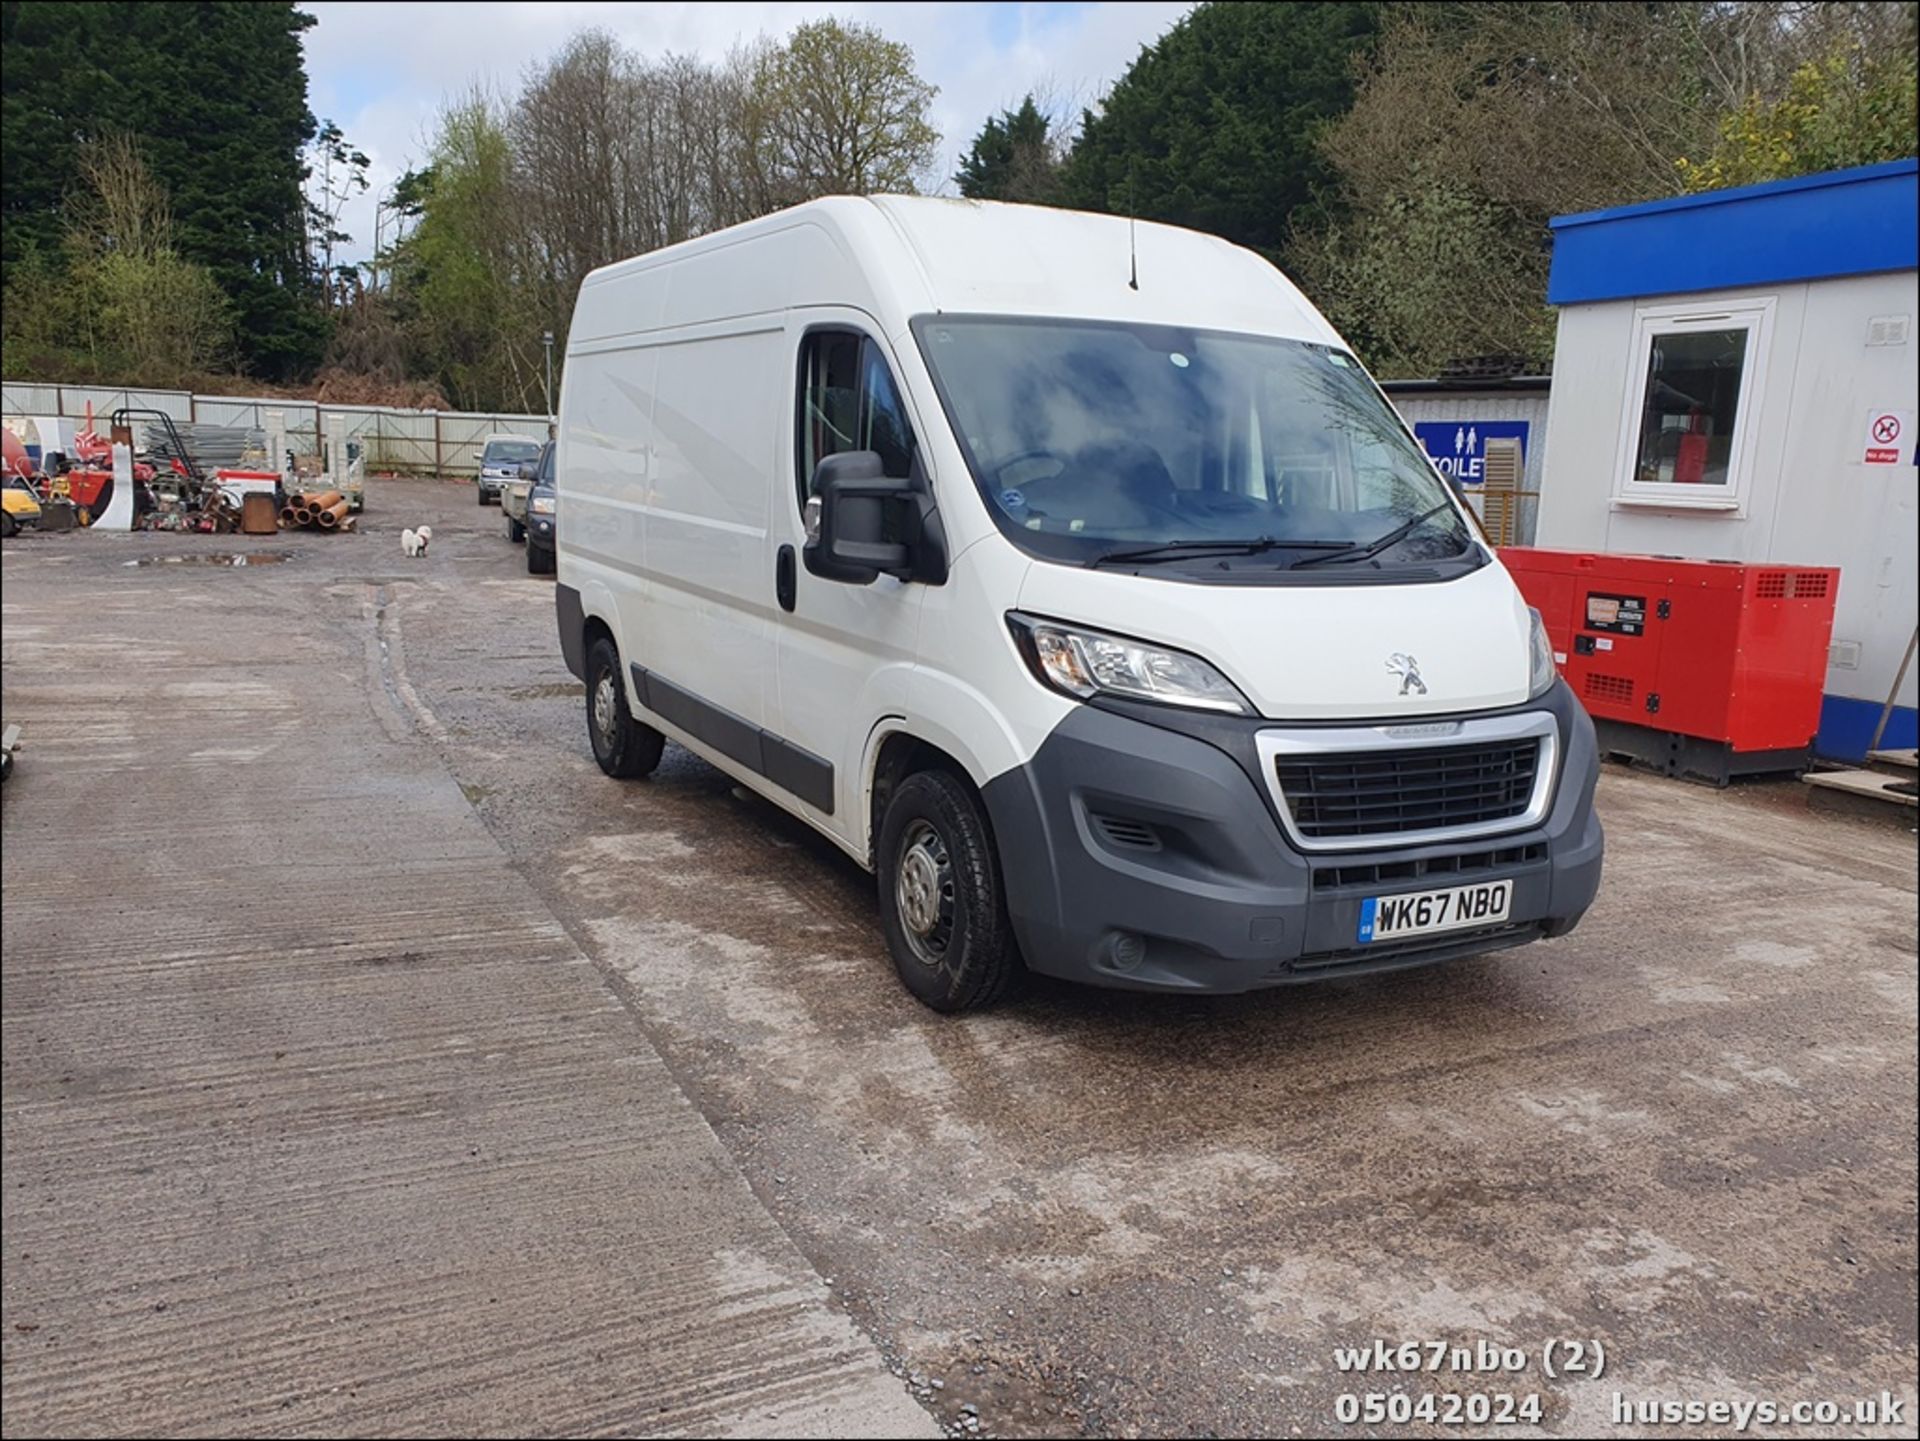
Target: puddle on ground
{"type": "Point", "coordinates": [230, 559]}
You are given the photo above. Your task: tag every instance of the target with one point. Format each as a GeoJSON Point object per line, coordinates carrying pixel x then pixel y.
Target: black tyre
{"type": "Point", "coordinates": [539, 559]}
{"type": "Point", "coordinates": [940, 896]}
{"type": "Point", "coordinates": [480, 494]}
{"type": "Point", "coordinates": [516, 532]}
{"type": "Point", "coordinates": [8, 525]}
{"type": "Point", "coordinates": [625, 749]}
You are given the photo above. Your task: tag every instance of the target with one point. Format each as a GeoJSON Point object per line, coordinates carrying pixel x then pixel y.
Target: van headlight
{"type": "Point", "coordinates": [1541, 676]}
{"type": "Point", "coordinates": [1084, 663]}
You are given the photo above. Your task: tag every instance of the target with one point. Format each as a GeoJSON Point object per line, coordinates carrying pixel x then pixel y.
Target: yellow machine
{"type": "Point", "coordinates": [18, 506]}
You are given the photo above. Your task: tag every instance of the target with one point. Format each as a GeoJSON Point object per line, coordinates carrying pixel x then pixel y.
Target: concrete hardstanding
{"type": "Point", "coordinates": [316, 1121]}
{"type": "Point", "coordinates": [1686, 1129]}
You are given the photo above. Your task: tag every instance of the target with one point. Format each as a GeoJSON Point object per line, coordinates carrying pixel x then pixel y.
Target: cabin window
{"type": "Point", "coordinates": [1686, 438]}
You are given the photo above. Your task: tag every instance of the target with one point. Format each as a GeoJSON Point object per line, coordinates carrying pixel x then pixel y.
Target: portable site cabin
{"type": "Point", "coordinates": [1734, 379]}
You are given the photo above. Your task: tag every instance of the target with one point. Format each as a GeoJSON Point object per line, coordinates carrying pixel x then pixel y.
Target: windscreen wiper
{"type": "Point", "coordinates": [1183, 549]}
{"type": "Point", "coordinates": [1374, 547]}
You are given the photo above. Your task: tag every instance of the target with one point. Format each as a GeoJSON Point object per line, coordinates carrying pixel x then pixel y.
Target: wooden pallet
{"type": "Point", "coordinates": [1866, 792]}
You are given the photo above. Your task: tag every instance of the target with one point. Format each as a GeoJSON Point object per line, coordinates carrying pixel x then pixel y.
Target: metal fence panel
{"type": "Point", "coordinates": [21, 399]}
{"type": "Point", "coordinates": [176, 403]}
{"type": "Point", "coordinates": [462, 435]}
{"type": "Point", "coordinates": [420, 442]}
{"type": "Point", "coordinates": [72, 401]}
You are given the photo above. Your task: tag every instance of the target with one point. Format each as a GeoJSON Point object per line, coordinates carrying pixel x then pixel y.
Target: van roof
{"type": "Point", "coordinates": [899, 256]}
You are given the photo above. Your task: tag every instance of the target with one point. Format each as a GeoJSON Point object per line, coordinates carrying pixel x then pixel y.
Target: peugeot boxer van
{"type": "Point", "coordinates": [1075, 578]}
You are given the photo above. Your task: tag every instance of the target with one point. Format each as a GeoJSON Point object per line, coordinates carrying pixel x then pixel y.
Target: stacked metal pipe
{"type": "Point", "coordinates": [317, 510]}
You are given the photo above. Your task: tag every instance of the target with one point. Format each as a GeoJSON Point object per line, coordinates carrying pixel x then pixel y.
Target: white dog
{"type": "Point", "coordinates": [414, 542]}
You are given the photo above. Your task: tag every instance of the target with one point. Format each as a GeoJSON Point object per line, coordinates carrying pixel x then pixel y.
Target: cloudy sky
{"type": "Point", "coordinates": [382, 70]}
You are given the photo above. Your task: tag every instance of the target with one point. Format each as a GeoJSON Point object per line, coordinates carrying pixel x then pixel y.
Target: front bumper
{"type": "Point", "coordinates": [540, 530]}
{"type": "Point", "coordinates": [1149, 856]}
{"type": "Point", "coordinates": [493, 484]}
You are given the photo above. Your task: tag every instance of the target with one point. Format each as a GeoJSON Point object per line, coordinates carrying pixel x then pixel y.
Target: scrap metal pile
{"type": "Point", "coordinates": [196, 478]}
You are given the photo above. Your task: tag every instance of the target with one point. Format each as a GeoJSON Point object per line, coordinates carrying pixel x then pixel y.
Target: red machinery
{"type": "Point", "coordinates": [1699, 667]}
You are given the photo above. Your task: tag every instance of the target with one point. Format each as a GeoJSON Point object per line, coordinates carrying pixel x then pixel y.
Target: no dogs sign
{"type": "Point", "coordinates": [1889, 436]}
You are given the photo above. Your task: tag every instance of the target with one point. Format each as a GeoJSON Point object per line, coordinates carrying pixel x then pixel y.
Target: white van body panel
{"type": "Point", "coordinates": [707, 510]}
{"type": "Point", "coordinates": [974, 686]}
{"type": "Point", "coordinates": [1328, 658]}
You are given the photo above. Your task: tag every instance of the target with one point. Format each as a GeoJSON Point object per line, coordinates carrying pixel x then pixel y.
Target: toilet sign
{"type": "Point", "coordinates": [1458, 448]}
{"type": "Point", "coordinates": [1889, 436]}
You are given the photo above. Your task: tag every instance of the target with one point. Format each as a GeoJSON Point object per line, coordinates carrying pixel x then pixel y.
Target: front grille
{"type": "Point", "coordinates": [1466, 863]}
{"type": "Point", "coordinates": [1393, 792]}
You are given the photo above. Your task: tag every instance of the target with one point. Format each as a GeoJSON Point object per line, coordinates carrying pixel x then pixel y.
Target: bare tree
{"type": "Point", "coordinates": [122, 208]}
{"type": "Point", "coordinates": [608, 154]}
{"type": "Point", "coordinates": [142, 312]}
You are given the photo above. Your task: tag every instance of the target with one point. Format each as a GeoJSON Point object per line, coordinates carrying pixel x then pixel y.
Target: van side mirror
{"type": "Point", "coordinates": [856, 500]}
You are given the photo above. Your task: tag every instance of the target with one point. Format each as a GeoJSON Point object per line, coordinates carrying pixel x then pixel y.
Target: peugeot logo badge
{"type": "Point", "coordinates": [1408, 669]}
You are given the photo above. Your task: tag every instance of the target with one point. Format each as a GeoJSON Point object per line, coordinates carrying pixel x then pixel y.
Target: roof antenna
{"type": "Point", "coordinates": [1133, 252]}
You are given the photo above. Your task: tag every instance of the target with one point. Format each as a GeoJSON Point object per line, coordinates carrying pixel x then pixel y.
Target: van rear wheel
{"type": "Point", "coordinates": [625, 749]}
{"type": "Point", "coordinates": [941, 901]}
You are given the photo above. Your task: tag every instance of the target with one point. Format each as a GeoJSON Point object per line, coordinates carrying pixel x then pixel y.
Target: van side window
{"type": "Point", "coordinates": [848, 401]}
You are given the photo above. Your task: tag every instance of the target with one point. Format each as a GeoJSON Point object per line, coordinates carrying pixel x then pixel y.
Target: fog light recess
{"type": "Point", "coordinates": [1125, 950]}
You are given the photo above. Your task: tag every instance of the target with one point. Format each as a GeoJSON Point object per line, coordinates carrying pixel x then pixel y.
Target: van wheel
{"type": "Point", "coordinates": [539, 560]}
{"type": "Point", "coordinates": [625, 749]}
{"type": "Point", "coordinates": [940, 897]}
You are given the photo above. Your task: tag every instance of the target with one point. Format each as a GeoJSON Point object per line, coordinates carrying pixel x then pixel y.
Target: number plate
{"type": "Point", "coordinates": [1390, 918]}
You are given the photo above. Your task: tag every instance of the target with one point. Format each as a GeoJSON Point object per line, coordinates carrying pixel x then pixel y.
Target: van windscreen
{"type": "Point", "coordinates": [1094, 440]}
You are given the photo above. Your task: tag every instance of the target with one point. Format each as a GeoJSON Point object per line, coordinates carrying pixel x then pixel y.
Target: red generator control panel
{"type": "Point", "coordinates": [1693, 667]}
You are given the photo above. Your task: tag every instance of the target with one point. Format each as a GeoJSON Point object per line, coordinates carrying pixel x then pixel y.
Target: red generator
{"type": "Point", "coordinates": [1703, 668]}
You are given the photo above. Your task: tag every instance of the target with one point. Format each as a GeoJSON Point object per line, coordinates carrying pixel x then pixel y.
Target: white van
{"type": "Point", "coordinates": [1076, 579]}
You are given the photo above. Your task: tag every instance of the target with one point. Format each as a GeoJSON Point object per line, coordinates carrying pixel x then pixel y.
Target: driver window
{"type": "Point", "coordinates": [848, 401]}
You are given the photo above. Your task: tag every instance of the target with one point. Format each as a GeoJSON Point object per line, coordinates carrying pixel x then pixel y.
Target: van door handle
{"type": "Point", "coordinates": [783, 577]}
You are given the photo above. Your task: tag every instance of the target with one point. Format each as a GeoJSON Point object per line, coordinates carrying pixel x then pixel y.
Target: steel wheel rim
{"type": "Point", "coordinates": [603, 712]}
{"type": "Point", "coordinates": [923, 892]}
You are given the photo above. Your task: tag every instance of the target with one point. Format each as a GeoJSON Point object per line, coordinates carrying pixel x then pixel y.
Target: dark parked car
{"type": "Point", "coordinates": [543, 516]}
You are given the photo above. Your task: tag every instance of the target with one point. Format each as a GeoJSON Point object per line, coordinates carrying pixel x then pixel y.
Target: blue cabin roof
{"type": "Point", "coordinates": [1813, 227]}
